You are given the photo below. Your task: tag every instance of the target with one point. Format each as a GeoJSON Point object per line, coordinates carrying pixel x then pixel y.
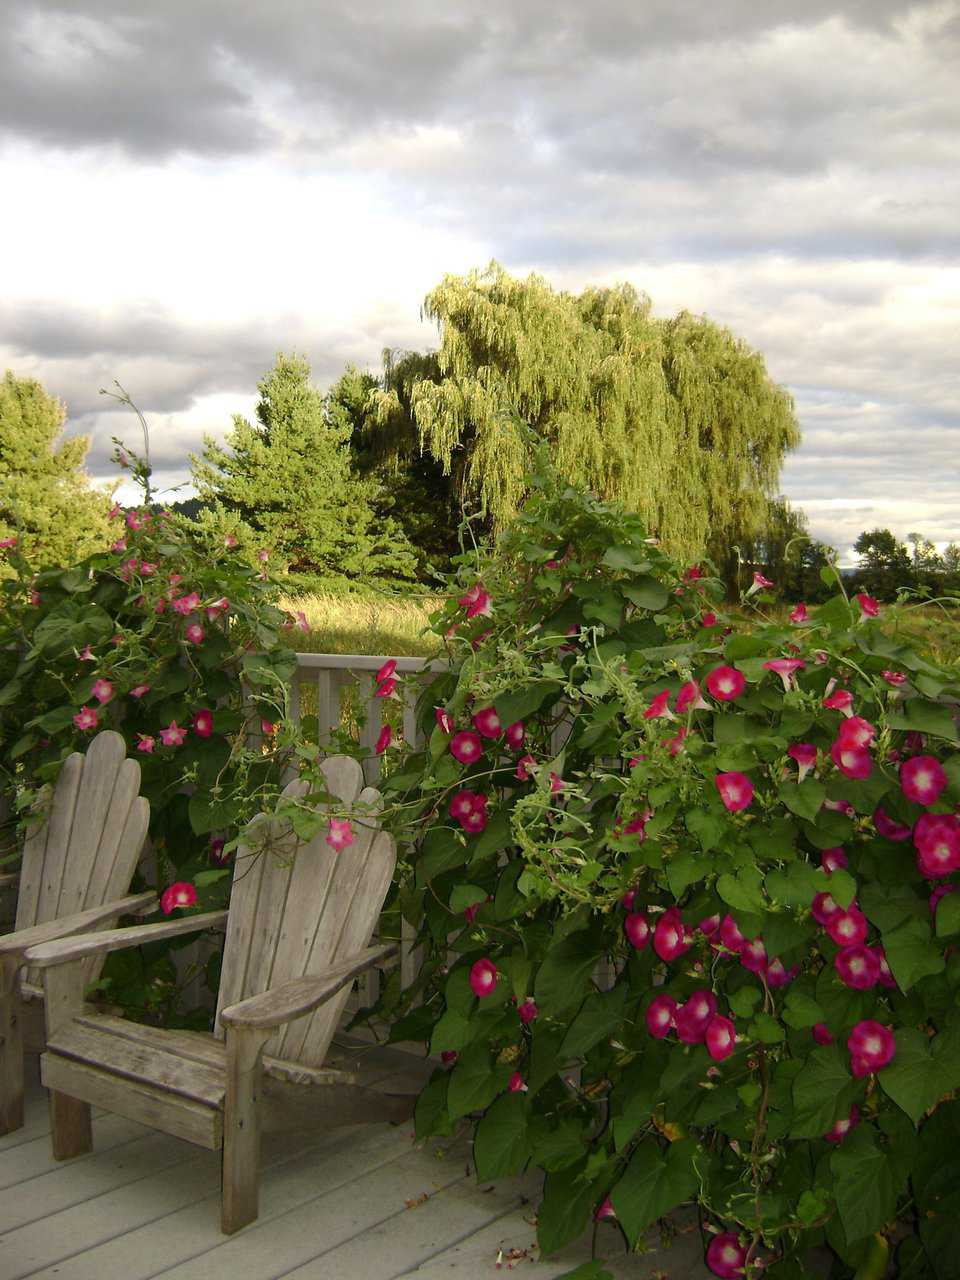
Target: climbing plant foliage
{"type": "Point", "coordinates": [685, 890]}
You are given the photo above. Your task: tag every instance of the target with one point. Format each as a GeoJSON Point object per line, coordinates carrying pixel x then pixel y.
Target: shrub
{"type": "Point", "coordinates": [686, 898]}
{"type": "Point", "coordinates": [176, 644]}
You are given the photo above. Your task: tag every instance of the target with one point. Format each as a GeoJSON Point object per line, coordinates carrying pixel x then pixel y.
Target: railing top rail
{"type": "Point", "coordinates": [365, 662]}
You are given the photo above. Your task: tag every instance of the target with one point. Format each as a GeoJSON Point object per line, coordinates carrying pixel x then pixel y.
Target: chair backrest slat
{"type": "Point", "coordinates": [297, 910]}
{"type": "Point", "coordinates": [86, 852]}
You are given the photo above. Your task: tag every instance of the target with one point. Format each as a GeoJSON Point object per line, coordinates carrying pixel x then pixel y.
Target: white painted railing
{"type": "Point", "coordinates": [332, 687]}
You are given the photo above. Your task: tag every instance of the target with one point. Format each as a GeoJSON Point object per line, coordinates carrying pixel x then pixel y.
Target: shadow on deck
{"type": "Point", "coordinates": [362, 1203]}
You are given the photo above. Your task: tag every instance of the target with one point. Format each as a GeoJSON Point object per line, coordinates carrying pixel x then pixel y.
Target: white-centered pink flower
{"type": "Point", "coordinates": [469, 809]}
{"type": "Point", "coordinates": [799, 614]}
{"type": "Point", "coordinates": [690, 698]}
{"type": "Point", "coordinates": [726, 1256]}
{"type": "Point", "coordinates": [386, 688]}
{"type": "Point", "coordinates": [466, 747]}
{"type": "Point", "coordinates": [847, 927]}
{"type": "Point", "coordinates": [856, 732]}
{"type": "Point", "coordinates": [894, 678]}
{"type": "Point", "coordinates": [514, 735]}
{"type": "Point", "coordinates": [736, 790]}
{"type": "Point", "coordinates": [86, 719]}
{"type": "Point", "coordinates": [173, 735]}
{"type": "Point", "coordinates": [139, 690]}
{"type": "Point", "coordinates": [858, 967]}
{"type": "Point", "coordinates": [872, 1046]}
{"type": "Point", "coordinates": [753, 955]}
{"type": "Point", "coordinates": [708, 619]}
{"type": "Point", "coordinates": [229, 541]}
{"type": "Point", "coordinates": [937, 841]}
{"type": "Point", "coordinates": [524, 765]}
{"type": "Point", "coordinates": [203, 723]}
{"type": "Point", "coordinates": [805, 755]}
{"type": "Point", "coordinates": [145, 743]}
{"type": "Point", "coordinates": [185, 604]}
{"type": "Point", "coordinates": [693, 1017]}
{"type": "Point", "coordinates": [839, 700]}
{"type": "Point", "coordinates": [444, 722]}
{"type": "Point", "coordinates": [726, 683]}
{"type": "Point", "coordinates": [833, 859]}
{"type": "Point", "coordinates": [483, 977]}
{"type": "Point", "coordinates": [659, 708]}
{"type": "Point", "coordinates": [637, 928]}
{"type": "Point", "coordinates": [671, 937]}
{"type": "Point", "coordinates": [660, 1015]}
{"type": "Point", "coordinates": [720, 1037]}
{"type": "Point", "coordinates": [339, 834]}
{"type": "Point", "coordinates": [604, 1211]}
{"type": "Point", "coordinates": [839, 1130]}
{"type": "Point", "coordinates": [517, 1083]}
{"type": "Point", "coordinates": [102, 690]}
{"type": "Point", "coordinates": [785, 668]}
{"type": "Point", "coordinates": [487, 722]}
{"type": "Point", "coordinates": [181, 894]}
{"type": "Point", "coordinates": [922, 779]}
{"type": "Point", "coordinates": [853, 762]}
{"type": "Point", "coordinates": [477, 602]}
{"type": "Point", "coordinates": [731, 935]}
{"type": "Point", "coordinates": [194, 633]}
{"type": "Point", "coordinates": [760, 581]}
{"type": "Point", "coordinates": [824, 908]}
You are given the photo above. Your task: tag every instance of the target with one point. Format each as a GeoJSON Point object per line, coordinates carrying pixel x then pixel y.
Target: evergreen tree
{"type": "Point", "coordinates": [46, 499]}
{"type": "Point", "coordinates": [677, 419]}
{"type": "Point", "coordinates": [784, 552]}
{"type": "Point", "coordinates": [287, 483]}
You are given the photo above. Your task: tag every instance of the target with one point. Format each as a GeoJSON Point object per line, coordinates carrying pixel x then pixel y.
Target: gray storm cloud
{"type": "Point", "coordinates": [790, 170]}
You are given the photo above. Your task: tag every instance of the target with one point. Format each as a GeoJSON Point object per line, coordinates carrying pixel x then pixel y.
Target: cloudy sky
{"type": "Point", "coordinates": [191, 185]}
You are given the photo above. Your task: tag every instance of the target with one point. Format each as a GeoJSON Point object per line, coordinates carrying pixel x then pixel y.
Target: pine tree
{"type": "Point", "coordinates": [288, 481]}
{"type": "Point", "coordinates": [46, 499]}
{"type": "Point", "coordinates": [678, 419]}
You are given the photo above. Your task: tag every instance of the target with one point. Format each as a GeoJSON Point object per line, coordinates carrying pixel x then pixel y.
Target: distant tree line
{"type": "Point", "coordinates": [370, 481]}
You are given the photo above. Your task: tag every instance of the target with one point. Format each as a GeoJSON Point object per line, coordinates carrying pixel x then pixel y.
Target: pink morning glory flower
{"type": "Point", "coordinates": [384, 739]}
{"type": "Point", "coordinates": [659, 707]}
{"type": "Point", "coordinates": [477, 602]}
{"type": "Point", "coordinates": [726, 683]}
{"type": "Point", "coordinates": [339, 834]}
{"type": "Point", "coordinates": [690, 699]}
{"type": "Point", "coordinates": [720, 1037]}
{"type": "Point", "coordinates": [872, 1047]}
{"type": "Point", "coordinates": [922, 779]}
{"type": "Point", "coordinates": [146, 743]}
{"type": "Point", "coordinates": [487, 723]}
{"type": "Point", "coordinates": [386, 671]}
{"type": "Point", "coordinates": [805, 754]}
{"type": "Point", "coordinates": [785, 667]}
{"type": "Point", "coordinates": [853, 762]}
{"type": "Point", "coordinates": [726, 1256]}
{"type": "Point", "coordinates": [102, 690]}
{"type": "Point", "coordinates": [483, 977]}
{"type": "Point", "coordinates": [181, 894]}
{"type": "Point", "coordinates": [527, 1011]}
{"type": "Point", "coordinates": [85, 719]}
{"type": "Point", "coordinates": [660, 1015]}
{"type": "Point", "coordinates": [203, 723]}
{"type": "Point", "coordinates": [172, 735]}
{"type": "Point", "coordinates": [736, 790]}
{"type": "Point", "coordinates": [856, 732]}
{"type": "Point", "coordinates": [894, 678]}
{"type": "Point", "coordinates": [466, 747]}
{"type": "Point", "coordinates": [869, 606]}
{"type": "Point", "coordinates": [838, 1131]}
{"type": "Point", "coordinates": [799, 614]}
{"type": "Point", "coordinates": [194, 633]}
{"type": "Point", "coordinates": [514, 735]}
{"type": "Point", "coordinates": [637, 929]}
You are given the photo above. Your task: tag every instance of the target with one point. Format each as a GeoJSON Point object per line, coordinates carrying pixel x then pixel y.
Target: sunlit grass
{"type": "Point", "coordinates": [376, 624]}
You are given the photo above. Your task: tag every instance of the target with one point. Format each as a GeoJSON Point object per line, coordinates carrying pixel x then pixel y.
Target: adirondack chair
{"type": "Point", "coordinates": [75, 870]}
{"type": "Point", "coordinates": [297, 934]}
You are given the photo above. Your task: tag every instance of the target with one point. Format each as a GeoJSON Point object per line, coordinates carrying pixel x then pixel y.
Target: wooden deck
{"type": "Point", "coordinates": [352, 1204]}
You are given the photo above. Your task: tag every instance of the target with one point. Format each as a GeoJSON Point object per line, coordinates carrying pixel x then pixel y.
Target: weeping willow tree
{"type": "Point", "coordinates": [677, 418]}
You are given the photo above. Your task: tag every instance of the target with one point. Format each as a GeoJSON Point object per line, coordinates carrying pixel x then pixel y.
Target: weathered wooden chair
{"type": "Point", "coordinates": [74, 871]}
{"type": "Point", "coordinates": [297, 934]}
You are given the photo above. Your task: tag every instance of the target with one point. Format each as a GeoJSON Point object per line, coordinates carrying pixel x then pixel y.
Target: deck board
{"type": "Point", "coordinates": [354, 1202]}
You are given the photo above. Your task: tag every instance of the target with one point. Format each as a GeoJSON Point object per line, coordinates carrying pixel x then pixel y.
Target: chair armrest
{"type": "Point", "coordinates": [93, 944]}
{"type": "Point", "coordinates": [301, 996]}
{"type": "Point", "coordinates": [81, 922]}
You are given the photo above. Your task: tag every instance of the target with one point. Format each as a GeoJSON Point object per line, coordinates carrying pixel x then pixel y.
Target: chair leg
{"type": "Point", "coordinates": [241, 1128]}
{"type": "Point", "coordinates": [11, 1053]}
{"type": "Point", "coordinates": [70, 1128]}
